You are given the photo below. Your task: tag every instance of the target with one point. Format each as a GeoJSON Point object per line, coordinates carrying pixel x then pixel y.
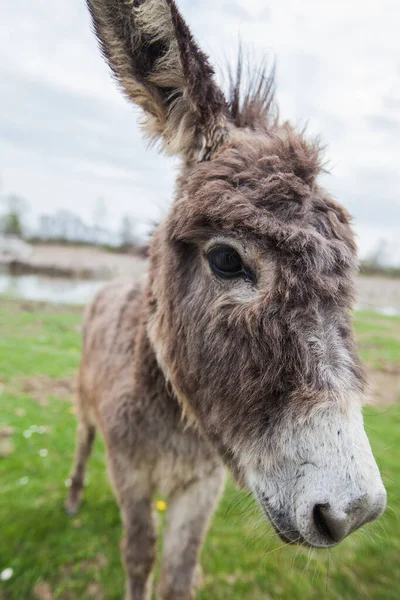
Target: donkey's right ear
{"type": "Point", "coordinates": [160, 67]}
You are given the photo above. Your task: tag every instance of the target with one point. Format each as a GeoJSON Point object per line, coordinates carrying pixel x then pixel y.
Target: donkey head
{"type": "Point", "coordinates": [251, 283]}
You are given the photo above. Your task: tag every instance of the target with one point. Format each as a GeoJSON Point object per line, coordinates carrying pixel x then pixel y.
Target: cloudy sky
{"type": "Point", "coordinates": [67, 137]}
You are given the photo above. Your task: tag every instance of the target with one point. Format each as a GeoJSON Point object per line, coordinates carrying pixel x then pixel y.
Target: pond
{"type": "Point", "coordinates": [379, 296]}
{"type": "Point", "coordinates": [58, 290]}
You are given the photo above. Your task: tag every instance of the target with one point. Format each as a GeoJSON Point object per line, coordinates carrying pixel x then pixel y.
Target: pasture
{"type": "Point", "coordinates": [53, 556]}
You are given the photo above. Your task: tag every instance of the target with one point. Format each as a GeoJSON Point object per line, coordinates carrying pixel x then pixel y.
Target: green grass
{"type": "Point", "coordinates": [379, 338]}
{"type": "Point", "coordinates": [79, 557]}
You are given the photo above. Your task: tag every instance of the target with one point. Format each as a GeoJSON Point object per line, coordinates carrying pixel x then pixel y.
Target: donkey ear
{"type": "Point", "coordinates": [158, 64]}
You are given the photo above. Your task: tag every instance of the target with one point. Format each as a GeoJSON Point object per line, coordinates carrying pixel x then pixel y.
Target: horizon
{"type": "Point", "coordinates": [69, 138]}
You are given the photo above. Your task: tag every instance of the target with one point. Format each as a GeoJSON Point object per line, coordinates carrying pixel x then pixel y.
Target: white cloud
{"type": "Point", "coordinates": [69, 137]}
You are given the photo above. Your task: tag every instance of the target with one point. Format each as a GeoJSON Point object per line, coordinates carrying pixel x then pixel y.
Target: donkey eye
{"type": "Point", "coordinates": [226, 262]}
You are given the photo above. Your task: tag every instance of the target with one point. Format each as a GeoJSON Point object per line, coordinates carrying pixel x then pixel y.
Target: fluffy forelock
{"type": "Point", "coordinates": [264, 185]}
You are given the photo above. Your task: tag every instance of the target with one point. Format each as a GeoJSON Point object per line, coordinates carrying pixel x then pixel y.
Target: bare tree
{"type": "Point", "coordinates": [379, 256]}
{"type": "Point", "coordinates": [12, 221]}
{"type": "Point", "coordinates": [127, 232]}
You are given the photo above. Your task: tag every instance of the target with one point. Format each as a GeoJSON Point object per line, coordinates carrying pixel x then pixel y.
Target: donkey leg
{"type": "Point", "coordinates": [85, 438]}
{"type": "Point", "coordinates": [188, 517]}
{"type": "Point", "coordinates": [134, 493]}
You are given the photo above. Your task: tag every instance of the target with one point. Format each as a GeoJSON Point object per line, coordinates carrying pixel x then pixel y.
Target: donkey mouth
{"type": "Point", "coordinates": [285, 531]}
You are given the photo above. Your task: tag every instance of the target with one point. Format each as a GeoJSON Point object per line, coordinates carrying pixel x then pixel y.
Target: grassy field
{"type": "Point", "coordinates": [53, 556]}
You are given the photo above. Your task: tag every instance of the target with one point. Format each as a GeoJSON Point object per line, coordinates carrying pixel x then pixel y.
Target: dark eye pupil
{"type": "Point", "coordinates": [225, 261]}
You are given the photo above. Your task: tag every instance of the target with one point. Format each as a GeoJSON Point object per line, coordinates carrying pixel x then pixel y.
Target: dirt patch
{"type": "Point", "coordinates": [6, 445]}
{"type": "Point", "coordinates": [98, 563]}
{"type": "Point", "coordinates": [43, 591]}
{"type": "Point", "coordinates": [385, 385]}
{"type": "Point", "coordinates": [6, 431]}
{"type": "Point", "coordinates": [16, 305]}
{"type": "Point", "coordinates": [41, 387]}
{"type": "Point", "coordinates": [378, 293]}
{"type": "Point", "coordinates": [95, 591]}
{"type": "Point", "coordinates": [78, 261]}
{"type": "Point", "coordinates": [389, 368]}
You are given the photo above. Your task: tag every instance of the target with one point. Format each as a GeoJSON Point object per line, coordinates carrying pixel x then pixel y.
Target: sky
{"type": "Point", "coordinates": [68, 137]}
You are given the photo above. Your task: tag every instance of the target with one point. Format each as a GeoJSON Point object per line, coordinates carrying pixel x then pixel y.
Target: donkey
{"type": "Point", "coordinates": [238, 350]}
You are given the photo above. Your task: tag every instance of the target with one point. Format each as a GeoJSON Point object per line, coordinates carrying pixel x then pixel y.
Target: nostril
{"type": "Point", "coordinates": [321, 522]}
{"type": "Point", "coordinates": [330, 525]}
{"type": "Point", "coordinates": [333, 524]}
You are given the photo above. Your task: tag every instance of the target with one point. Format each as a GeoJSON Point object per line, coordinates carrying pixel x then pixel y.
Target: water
{"type": "Point", "coordinates": [62, 290]}
{"type": "Point", "coordinates": [58, 290]}
{"type": "Point", "coordinates": [386, 311]}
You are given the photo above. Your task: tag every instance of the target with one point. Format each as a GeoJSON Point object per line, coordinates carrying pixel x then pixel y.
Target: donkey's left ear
{"type": "Point", "coordinates": [160, 67]}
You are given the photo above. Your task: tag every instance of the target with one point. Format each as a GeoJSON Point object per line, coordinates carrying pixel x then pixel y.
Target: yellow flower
{"type": "Point", "coordinates": [161, 505]}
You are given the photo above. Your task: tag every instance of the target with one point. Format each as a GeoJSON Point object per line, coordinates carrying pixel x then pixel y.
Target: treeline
{"type": "Point", "coordinates": [65, 227]}
{"type": "Point", "coordinates": [379, 261]}
{"type": "Point", "coordinates": [367, 268]}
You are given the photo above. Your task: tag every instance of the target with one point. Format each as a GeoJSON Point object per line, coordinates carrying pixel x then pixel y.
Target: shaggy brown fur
{"type": "Point", "coordinates": [191, 369]}
{"type": "Point", "coordinates": [160, 67]}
